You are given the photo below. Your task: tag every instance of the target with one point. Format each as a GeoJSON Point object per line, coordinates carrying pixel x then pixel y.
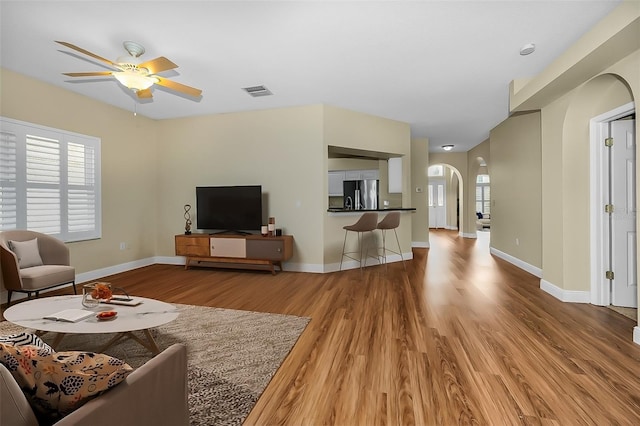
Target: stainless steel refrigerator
{"type": "Point", "coordinates": [361, 194]}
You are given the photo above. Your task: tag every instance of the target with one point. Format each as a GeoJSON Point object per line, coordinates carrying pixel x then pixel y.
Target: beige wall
{"type": "Point", "coordinates": [459, 162]}
{"type": "Point", "coordinates": [516, 188]}
{"type": "Point", "coordinates": [599, 73]}
{"type": "Point", "coordinates": [452, 195]}
{"type": "Point", "coordinates": [280, 149]}
{"type": "Point", "coordinates": [354, 130]}
{"type": "Point", "coordinates": [572, 255]}
{"type": "Point", "coordinates": [418, 190]}
{"type": "Point", "coordinates": [552, 191]}
{"type": "Point", "coordinates": [352, 164]}
{"type": "Point", "coordinates": [129, 165]}
{"type": "Point", "coordinates": [480, 152]}
{"type": "Point", "coordinates": [150, 168]}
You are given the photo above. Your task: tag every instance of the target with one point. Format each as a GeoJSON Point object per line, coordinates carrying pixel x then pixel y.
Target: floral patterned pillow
{"type": "Point", "coordinates": [58, 383]}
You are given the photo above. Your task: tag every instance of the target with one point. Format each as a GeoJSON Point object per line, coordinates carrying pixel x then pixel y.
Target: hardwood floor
{"type": "Point", "coordinates": [460, 338]}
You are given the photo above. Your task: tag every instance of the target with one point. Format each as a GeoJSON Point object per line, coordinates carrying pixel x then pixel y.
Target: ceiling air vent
{"type": "Point", "coordinates": [256, 91]}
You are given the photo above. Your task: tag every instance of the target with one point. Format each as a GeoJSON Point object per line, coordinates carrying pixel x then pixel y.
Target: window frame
{"type": "Point", "coordinates": [483, 185]}
{"type": "Point", "coordinates": [22, 130]}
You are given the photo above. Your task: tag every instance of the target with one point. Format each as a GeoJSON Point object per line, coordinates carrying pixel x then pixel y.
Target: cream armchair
{"type": "Point", "coordinates": [31, 262]}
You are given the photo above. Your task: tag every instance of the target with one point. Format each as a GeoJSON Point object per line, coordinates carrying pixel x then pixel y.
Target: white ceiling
{"type": "Point", "coordinates": [442, 66]}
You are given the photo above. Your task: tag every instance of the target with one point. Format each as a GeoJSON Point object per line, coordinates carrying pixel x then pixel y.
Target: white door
{"type": "Point", "coordinates": [624, 288]}
{"type": "Point", "coordinates": [437, 205]}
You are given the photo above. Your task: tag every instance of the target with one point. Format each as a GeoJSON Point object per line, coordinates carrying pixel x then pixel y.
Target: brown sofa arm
{"type": "Point", "coordinates": [154, 394]}
{"type": "Point", "coordinates": [9, 267]}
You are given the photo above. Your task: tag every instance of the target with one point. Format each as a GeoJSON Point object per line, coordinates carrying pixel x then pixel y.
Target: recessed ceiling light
{"type": "Point", "coordinates": [447, 147]}
{"type": "Point", "coordinates": [527, 49]}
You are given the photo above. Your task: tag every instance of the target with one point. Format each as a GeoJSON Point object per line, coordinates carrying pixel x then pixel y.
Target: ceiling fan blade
{"type": "Point", "coordinates": [192, 91]}
{"type": "Point", "coordinates": [88, 74]}
{"type": "Point", "coordinates": [86, 52]}
{"type": "Point", "coordinates": [144, 94]}
{"type": "Point", "coordinates": [158, 65]}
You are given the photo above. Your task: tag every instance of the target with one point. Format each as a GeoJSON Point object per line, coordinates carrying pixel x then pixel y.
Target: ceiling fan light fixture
{"type": "Point", "coordinates": [130, 72]}
{"type": "Point", "coordinates": [135, 81]}
{"type": "Point", "coordinates": [134, 49]}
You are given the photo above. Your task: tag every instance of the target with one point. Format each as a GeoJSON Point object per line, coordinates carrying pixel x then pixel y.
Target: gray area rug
{"type": "Point", "coordinates": [232, 356]}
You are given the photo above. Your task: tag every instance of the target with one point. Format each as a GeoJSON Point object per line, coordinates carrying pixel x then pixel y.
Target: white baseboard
{"type": "Point", "coordinates": [636, 335]}
{"type": "Point", "coordinates": [302, 267]}
{"type": "Point", "coordinates": [420, 244]}
{"type": "Point", "coordinates": [352, 264]}
{"type": "Point", "coordinates": [570, 296]}
{"type": "Point", "coordinates": [98, 274]}
{"type": "Point", "coordinates": [533, 270]}
{"type": "Point", "coordinates": [467, 235]}
{"type": "Point", "coordinates": [169, 260]}
{"type": "Point", "coordinates": [115, 269]}
{"type": "Point", "coordinates": [451, 228]}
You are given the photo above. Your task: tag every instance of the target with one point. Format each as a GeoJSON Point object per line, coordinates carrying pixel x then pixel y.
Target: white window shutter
{"type": "Point", "coordinates": [49, 181]}
{"type": "Point", "coordinates": [8, 180]}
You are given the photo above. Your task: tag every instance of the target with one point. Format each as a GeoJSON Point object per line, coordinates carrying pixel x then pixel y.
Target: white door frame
{"type": "Point", "coordinates": [598, 128]}
{"type": "Point", "coordinates": [434, 182]}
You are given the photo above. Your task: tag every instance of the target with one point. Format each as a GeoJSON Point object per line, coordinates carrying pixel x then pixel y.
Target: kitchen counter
{"type": "Point", "coordinates": [384, 209]}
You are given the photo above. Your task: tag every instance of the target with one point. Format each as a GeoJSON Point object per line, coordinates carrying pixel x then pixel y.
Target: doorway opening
{"type": "Point", "coordinates": [444, 194]}
{"type": "Point", "coordinates": [483, 198]}
{"type": "Point", "coordinates": [614, 277]}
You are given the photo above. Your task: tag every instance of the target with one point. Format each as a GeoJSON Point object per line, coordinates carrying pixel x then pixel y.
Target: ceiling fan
{"type": "Point", "coordinates": [134, 74]}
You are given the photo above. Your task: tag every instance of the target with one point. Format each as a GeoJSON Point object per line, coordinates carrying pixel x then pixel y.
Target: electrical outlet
{"type": "Point", "coordinates": [123, 246]}
{"type": "Point", "coordinates": [517, 241]}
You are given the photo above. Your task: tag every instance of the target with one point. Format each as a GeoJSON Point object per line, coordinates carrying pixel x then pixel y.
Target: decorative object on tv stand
{"type": "Point", "coordinates": [272, 226]}
{"type": "Point", "coordinates": [264, 230]}
{"type": "Point", "coordinates": [187, 218]}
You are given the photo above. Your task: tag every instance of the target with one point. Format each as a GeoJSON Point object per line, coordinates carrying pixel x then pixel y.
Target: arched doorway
{"type": "Point", "coordinates": [482, 196]}
{"type": "Point", "coordinates": [444, 197]}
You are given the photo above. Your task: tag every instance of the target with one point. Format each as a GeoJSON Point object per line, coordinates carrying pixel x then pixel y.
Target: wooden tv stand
{"type": "Point", "coordinates": [231, 249]}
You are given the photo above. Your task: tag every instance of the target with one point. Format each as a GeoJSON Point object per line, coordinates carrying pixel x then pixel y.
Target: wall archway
{"type": "Point", "coordinates": [454, 177]}
{"type": "Point", "coordinates": [601, 94]}
{"type": "Point", "coordinates": [477, 166]}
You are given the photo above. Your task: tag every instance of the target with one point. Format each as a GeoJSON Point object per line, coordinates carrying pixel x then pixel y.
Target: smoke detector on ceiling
{"type": "Point", "coordinates": [257, 91]}
{"type": "Point", "coordinates": [527, 49]}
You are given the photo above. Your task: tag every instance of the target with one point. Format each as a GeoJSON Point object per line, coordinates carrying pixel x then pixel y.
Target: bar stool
{"type": "Point", "coordinates": [390, 221]}
{"type": "Point", "coordinates": [367, 223]}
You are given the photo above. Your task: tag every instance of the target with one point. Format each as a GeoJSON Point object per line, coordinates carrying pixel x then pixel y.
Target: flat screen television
{"type": "Point", "coordinates": [229, 208]}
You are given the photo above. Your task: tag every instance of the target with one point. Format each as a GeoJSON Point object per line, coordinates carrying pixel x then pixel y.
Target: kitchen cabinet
{"type": "Point", "coordinates": [335, 183]}
{"type": "Point", "coordinates": [336, 177]}
{"type": "Point", "coordinates": [369, 174]}
{"type": "Point", "coordinates": [395, 175]}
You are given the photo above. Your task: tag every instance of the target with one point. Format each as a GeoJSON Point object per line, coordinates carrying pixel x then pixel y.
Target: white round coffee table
{"type": "Point", "coordinates": [148, 314]}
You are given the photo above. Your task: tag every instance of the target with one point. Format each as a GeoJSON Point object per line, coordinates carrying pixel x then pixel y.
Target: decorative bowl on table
{"type": "Point", "coordinates": [94, 293]}
{"type": "Point", "coordinates": [106, 315]}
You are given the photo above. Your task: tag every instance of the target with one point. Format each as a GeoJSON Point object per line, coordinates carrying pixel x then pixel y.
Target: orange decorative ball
{"type": "Point", "coordinates": [101, 291]}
